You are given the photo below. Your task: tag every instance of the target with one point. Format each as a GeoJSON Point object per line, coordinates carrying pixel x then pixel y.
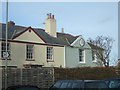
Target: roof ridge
{"type": "Point", "coordinates": [66, 34]}
{"type": "Point", "coordinates": [18, 29]}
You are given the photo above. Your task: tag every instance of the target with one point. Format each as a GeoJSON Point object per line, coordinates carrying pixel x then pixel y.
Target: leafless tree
{"type": "Point", "coordinates": [104, 45]}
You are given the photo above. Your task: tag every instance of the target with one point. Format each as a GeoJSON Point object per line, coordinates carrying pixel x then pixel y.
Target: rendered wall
{"type": "Point", "coordinates": [29, 36]}
{"type": "Point", "coordinates": [72, 58]}
{"type": "Point", "coordinates": [18, 55]}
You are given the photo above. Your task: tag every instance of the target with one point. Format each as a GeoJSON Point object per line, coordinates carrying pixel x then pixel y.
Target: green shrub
{"type": "Point", "coordinates": [85, 73]}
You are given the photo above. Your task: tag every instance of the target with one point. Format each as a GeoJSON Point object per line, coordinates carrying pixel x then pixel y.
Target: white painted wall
{"type": "Point", "coordinates": [29, 37]}
{"type": "Point", "coordinates": [58, 57]}
{"type": "Point", "coordinates": [18, 55]}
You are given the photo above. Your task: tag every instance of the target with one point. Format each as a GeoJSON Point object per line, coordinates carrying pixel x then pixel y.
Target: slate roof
{"type": "Point", "coordinates": [14, 30]}
{"type": "Point", "coordinates": [95, 47]}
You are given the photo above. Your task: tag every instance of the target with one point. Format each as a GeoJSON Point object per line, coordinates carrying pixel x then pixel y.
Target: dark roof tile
{"type": "Point", "coordinates": [95, 47]}
{"type": "Point", "coordinates": [62, 38]}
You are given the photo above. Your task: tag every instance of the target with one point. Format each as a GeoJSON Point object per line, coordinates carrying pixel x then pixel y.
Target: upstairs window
{"type": "Point", "coordinates": [49, 53]}
{"type": "Point", "coordinates": [3, 50]}
{"type": "Point", "coordinates": [29, 52]}
{"type": "Point", "coordinates": [81, 55]}
{"type": "Point", "coordinates": [94, 57]}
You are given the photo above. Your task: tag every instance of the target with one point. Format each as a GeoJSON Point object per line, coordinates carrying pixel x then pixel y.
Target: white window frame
{"type": "Point", "coordinates": [49, 54]}
{"type": "Point", "coordinates": [8, 50]}
{"type": "Point", "coordinates": [94, 56]}
{"type": "Point", "coordinates": [81, 55]}
{"type": "Point", "coordinates": [30, 51]}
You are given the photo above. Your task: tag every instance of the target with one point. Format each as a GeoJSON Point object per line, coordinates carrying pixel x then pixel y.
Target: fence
{"type": "Point", "coordinates": [42, 77]}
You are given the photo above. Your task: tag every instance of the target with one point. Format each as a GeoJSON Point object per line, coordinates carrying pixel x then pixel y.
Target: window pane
{"type": "Point", "coordinates": [81, 55]}
{"type": "Point", "coordinates": [3, 49]}
{"type": "Point", "coordinates": [29, 52]}
{"type": "Point", "coordinates": [93, 55]}
{"type": "Point", "coordinates": [49, 53]}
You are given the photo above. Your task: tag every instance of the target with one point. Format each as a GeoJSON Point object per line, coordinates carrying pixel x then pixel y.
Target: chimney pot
{"type": "Point", "coordinates": [52, 16]}
{"type": "Point", "coordinates": [48, 16]}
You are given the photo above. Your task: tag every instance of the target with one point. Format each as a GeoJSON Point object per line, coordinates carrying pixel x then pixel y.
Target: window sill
{"type": "Point", "coordinates": [94, 61]}
{"type": "Point", "coordinates": [11, 66]}
{"type": "Point", "coordinates": [5, 59]}
{"type": "Point", "coordinates": [30, 59]}
{"type": "Point", "coordinates": [82, 62]}
{"type": "Point", "coordinates": [50, 60]}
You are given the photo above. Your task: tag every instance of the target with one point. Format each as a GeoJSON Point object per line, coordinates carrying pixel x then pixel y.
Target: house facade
{"type": "Point", "coordinates": [35, 47]}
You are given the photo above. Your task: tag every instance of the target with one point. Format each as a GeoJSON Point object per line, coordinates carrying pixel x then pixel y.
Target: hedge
{"type": "Point", "coordinates": [94, 73]}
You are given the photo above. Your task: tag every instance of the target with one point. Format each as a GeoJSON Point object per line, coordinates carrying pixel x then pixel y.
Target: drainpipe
{"type": "Point", "coordinates": [64, 56]}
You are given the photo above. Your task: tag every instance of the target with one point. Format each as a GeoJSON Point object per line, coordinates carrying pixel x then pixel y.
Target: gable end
{"type": "Point", "coordinates": [30, 29]}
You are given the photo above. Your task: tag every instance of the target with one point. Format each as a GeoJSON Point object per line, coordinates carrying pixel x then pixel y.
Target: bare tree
{"type": "Point", "coordinates": [104, 45]}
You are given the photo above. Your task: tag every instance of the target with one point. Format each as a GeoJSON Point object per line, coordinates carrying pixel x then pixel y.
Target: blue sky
{"type": "Point", "coordinates": [89, 19]}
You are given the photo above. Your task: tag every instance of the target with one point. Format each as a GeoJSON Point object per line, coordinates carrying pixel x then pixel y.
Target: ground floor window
{"type": "Point", "coordinates": [3, 50]}
{"type": "Point", "coordinates": [49, 53]}
{"type": "Point", "coordinates": [30, 52]}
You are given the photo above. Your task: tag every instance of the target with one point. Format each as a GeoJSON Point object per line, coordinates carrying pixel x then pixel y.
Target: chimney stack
{"type": "Point", "coordinates": [11, 23]}
{"type": "Point", "coordinates": [50, 25]}
{"type": "Point", "coordinates": [62, 30]}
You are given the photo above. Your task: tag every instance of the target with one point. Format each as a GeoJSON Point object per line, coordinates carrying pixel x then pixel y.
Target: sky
{"type": "Point", "coordinates": [89, 19]}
